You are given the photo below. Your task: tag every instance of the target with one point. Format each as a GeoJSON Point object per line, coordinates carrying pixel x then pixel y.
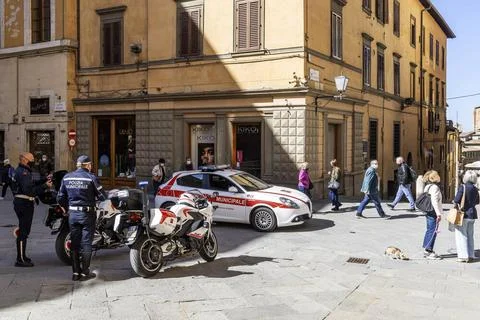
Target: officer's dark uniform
{"type": "Point", "coordinates": [78, 193]}
{"type": "Point", "coordinates": [25, 189]}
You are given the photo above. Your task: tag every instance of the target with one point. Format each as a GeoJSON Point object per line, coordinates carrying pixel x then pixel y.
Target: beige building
{"type": "Point", "coordinates": [250, 82]}
{"type": "Point", "coordinates": [37, 68]}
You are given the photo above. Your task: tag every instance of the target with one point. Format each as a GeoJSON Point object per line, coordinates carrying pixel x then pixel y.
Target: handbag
{"type": "Point", "coordinates": [455, 215]}
{"type": "Point", "coordinates": [424, 202]}
{"type": "Point", "coordinates": [310, 185]}
{"type": "Point", "coordinates": [333, 185]}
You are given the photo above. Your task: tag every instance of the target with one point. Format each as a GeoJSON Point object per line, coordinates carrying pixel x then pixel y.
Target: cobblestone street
{"type": "Point", "coordinates": [293, 273]}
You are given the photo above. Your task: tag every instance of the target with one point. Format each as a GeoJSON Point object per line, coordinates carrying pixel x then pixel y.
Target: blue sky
{"type": "Point", "coordinates": [463, 65]}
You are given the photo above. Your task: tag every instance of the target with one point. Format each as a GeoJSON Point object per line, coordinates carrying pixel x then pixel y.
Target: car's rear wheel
{"type": "Point", "coordinates": [263, 219]}
{"type": "Point", "coordinates": [167, 205]}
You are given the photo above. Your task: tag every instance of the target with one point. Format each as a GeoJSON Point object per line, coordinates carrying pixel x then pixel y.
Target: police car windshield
{"type": "Point", "coordinates": [249, 182]}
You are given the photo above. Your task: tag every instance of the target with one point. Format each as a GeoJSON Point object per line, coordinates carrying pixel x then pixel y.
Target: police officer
{"type": "Point", "coordinates": [78, 193]}
{"type": "Point", "coordinates": [25, 190]}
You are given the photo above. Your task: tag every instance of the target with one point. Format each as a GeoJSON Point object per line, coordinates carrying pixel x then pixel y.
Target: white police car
{"type": "Point", "coordinates": [239, 197]}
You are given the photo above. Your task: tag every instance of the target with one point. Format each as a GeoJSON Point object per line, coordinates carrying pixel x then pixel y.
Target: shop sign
{"type": "Point", "coordinates": [248, 130]}
{"type": "Point", "coordinates": [60, 106]}
{"type": "Point", "coordinates": [39, 106]}
{"type": "Point", "coordinates": [314, 75]}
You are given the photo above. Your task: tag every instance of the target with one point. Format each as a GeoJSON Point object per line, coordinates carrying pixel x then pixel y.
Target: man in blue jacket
{"type": "Point", "coordinates": [78, 193]}
{"type": "Point", "coordinates": [370, 188]}
{"type": "Point", "coordinates": [25, 191]}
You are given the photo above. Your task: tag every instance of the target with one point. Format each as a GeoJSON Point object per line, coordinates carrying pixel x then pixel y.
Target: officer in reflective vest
{"type": "Point", "coordinates": [78, 193]}
{"type": "Point", "coordinates": [25, 191]}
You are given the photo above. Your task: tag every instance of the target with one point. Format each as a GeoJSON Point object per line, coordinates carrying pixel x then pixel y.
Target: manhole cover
{"type": "Point", "coordinates": [358, 260]}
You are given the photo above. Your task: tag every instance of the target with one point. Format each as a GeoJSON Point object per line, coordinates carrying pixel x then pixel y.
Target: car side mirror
{"type": "Point", "coordinates": [233, 189]}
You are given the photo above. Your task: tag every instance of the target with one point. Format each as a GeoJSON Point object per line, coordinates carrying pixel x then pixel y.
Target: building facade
{"type": "Point", "coordinates": [37, 68]}
{"type": "Point", "coordinates": [250, 83]}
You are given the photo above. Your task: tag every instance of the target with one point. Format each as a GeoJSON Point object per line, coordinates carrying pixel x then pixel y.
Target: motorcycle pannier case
{"type": "Point", "coordinates": [162, 221]}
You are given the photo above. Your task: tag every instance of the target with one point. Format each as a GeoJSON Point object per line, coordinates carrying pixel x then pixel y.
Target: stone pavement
{"type": "Point", "coordinates": [293, 273]}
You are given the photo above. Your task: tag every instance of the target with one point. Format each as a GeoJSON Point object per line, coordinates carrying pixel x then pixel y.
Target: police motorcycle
{"type": "Point", "coordinates": [118, 219]}
{"type": "Point", "coordinates": [183, 230]}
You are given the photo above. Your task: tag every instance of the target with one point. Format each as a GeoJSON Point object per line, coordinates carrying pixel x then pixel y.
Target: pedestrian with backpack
{"type": "Point", "coordinates": [6, 177]}
{"type": "Point", "coordinates": [405, 177]}
{"type": "Point", "coordinates": [430, 202]}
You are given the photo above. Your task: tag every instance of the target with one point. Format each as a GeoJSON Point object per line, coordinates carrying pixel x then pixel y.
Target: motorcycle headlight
{"type": "Point", "coordinates": [289, 203]}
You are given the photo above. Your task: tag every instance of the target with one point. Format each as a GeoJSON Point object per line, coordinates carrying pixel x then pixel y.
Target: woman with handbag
{"type": "Point", "coordinates": [467, 195]}
{"type": "Point", "coordinates": [304, 182]}
{"type": "Point", "coordinates": [334, 185]}
{"type": "Point", "coordinates": [434, 216]}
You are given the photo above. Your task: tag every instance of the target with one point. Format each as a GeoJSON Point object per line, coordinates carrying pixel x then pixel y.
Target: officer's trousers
{"type": "Point", "coordinates": [82, 229]}
{"type": "Point", "coordinates": [24, 210]}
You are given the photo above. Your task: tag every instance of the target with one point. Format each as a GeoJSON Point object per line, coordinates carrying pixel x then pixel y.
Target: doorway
{"type": "Point", "coordinates": [247, 145]}
{"type": "Point", "coordinates": [114, 158]}
{"type": "Point", "coordinates": [334, 145]}
{"type": "Point", "coordinates": [42, 143]}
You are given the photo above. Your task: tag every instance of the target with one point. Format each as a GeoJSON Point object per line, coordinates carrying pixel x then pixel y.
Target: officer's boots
{"type": "Point", "coordinates": [86, 274]}
{"type": "Point", "coordinates": [22, 260]}
{"type": "Point", "coordinates": [76, 265]}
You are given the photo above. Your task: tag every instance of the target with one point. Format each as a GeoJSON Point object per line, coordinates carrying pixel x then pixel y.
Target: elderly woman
{"type": "Point", "coordinates": [304, 180]}
{"type": "Point", "coordinates": [464, 233]}
{"type": "Point", "coordinates": [432, 180]}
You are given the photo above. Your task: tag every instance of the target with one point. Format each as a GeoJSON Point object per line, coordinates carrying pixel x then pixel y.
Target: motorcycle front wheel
{"type": "Point", "coordinates": [209, 249]}
{"type": "Point", "coordinates": [62, 246]}
{"type": "Point", "coordinates": [146, 256]}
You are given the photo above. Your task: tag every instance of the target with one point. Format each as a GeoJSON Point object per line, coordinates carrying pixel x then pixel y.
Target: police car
{"type": "Point", "coordinates": [239, 197]}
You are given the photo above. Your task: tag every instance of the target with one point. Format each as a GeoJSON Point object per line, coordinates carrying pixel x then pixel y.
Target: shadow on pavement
{"type": "Point", "coordinates": [219, 268]}
{"type": "Point", "coordinates": [405, 216]}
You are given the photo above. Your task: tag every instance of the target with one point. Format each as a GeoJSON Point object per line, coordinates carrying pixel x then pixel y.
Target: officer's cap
{"type": "Point", "coordinates": [83, 159]}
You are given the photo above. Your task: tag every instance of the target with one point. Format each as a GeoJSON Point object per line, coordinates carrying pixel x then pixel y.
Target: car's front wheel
{"type": "Point", "coordinates": [263, 219]}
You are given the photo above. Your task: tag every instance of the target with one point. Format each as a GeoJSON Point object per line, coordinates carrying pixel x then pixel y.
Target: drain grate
{"type": "Point", "coordinates": [358, 260]}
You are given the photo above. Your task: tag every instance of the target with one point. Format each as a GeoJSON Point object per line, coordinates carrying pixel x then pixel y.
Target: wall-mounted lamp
{"type": "Point", "coordinates": [341, 83]}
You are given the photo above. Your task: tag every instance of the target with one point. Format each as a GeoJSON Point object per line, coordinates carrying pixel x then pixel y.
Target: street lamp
{"type": "Point", "coordinates": [341, 83]}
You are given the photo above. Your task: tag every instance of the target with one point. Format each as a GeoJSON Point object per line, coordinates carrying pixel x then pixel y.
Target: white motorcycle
{"type": "Point", "coordinates": [185, 229]}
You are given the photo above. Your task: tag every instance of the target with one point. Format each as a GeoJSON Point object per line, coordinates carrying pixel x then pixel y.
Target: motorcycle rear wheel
{"type": "Point", "coordinates": [146, 257]}
{"type": "Point", "coordinates": [209, 249]}
{"type": "Point", "coordinates": [62, 246]}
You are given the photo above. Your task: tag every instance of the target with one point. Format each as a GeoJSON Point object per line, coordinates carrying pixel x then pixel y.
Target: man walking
{"type": "Point", "coordinates": [158, 175]}
{"type": "Point", "coordinates": [370, 188]}
{"type": "Point", "coordinates": [25, 191]}
{"type": "Point", "coordinates": [78, 193]}
{"type": "Point", "coordinates": [405, 177]}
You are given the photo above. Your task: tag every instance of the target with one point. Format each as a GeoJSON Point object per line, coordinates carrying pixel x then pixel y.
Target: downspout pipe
{"type": "Point", "coordinates": [422, 86]}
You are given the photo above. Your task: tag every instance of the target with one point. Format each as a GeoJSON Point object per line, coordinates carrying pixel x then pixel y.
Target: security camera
{"type": "Point", "coordinates": [136, 48]}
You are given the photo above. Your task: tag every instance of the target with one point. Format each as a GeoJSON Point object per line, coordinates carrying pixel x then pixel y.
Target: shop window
{"type": "Point", "coordinates": [114, 153]}
{"type": "Point", "coordinates": [203, 141]}
{"type": "Point", "coordinates": [42, 143]}
{"type": "Point", "coordinates": [248, 144]}
{"type": "Point", "coordinates": [2, 145]}
{"type": "Point", "coordinates": [373, 137]}
{"type": "Point", "coordinates": [39, 106]}
{"type": "Point", "coordinates": [396, 139]}
{"type": "Point", "coordinates": [191, 181]}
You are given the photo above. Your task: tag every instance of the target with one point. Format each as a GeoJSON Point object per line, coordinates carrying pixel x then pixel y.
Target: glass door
{"type": "Point", "coordinates": [114, 151]}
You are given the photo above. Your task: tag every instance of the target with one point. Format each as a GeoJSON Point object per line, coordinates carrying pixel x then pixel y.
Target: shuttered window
{"type": "Point", "coordinates": [381, 11]}
{"type": "Point", "coordinates": [396, 18]}
{"type": "Point", "coordinates": [396, 76]}
{"type": "Point", "coordinates": [111, 35]}
{"type": "Point", "coordinates": [396, 139]}
{"type": "Point", "coordinates": [248, 29]}
{"type": "Point", "coordinates": [373, 137]}
{"type": "Point", "coordinates": [190, 21]}
{"type": "Point", "coordinates": [41, 23]}
{"type": "Point", "coordinates": [380, 69]}
{"type": "Point", "coordinates": [112, 43]}
{"type": "Point", "coordinates": [337, 29]}
{"type": "Point", "coordinates": [367, 64]}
